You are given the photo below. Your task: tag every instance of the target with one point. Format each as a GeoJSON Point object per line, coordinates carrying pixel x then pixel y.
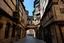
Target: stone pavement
{"type": "Point", "coordinates": [30, 39]}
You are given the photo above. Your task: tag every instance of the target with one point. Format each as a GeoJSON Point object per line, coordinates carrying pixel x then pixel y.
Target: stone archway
{"type": "Point", "coordinates": [30, 32]}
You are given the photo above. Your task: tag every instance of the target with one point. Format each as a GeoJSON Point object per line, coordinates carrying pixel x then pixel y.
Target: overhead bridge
{"type": "Point", "coordinates": [31, 26]}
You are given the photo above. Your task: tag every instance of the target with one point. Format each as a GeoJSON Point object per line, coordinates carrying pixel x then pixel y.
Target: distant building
{"type": "Point", "coordinates": [39, 9]}
{"type": "Point", "coordinates": [36, 12]}
{"type": "Point", "coordinates": [30, 18]}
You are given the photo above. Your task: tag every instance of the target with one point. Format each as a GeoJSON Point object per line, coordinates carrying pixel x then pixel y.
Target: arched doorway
{"type": "Point", "coordinates": [30, 32]}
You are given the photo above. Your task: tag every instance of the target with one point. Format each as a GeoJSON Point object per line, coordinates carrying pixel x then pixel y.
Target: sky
{"type": "Point", "coordinates": [29, 6]}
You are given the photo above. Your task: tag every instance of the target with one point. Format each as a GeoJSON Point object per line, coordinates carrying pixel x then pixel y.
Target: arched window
{"type": "Point", "coordinates": [7, 28]}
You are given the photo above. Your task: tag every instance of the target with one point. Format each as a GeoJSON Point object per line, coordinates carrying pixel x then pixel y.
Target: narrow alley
{"type": "Point", "coordinates": [31, 21]}
{"type": "Point", "coordinates": [29, 39]}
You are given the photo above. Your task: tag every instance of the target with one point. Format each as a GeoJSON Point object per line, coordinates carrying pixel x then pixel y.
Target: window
{"type": "Point", "coordinates": [62, 1]}
{"type": "Point", "coordinates": [16, 15]}
{"type": "Point", "coordinates": [37, 8]}
{"type": "Point", "coordinates": [62, 10]}
{"type": "Point", "coordinates": [7, 28]}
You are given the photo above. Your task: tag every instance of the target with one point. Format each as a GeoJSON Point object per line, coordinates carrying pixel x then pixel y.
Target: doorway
{"type": "Point", "coordinates": [13, 30]}
{"type": "Point", "coordinates": [47, 35]}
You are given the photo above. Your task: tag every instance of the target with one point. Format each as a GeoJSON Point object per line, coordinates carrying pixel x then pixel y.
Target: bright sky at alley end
{"type": "Point", "coordinates": [29, 6]}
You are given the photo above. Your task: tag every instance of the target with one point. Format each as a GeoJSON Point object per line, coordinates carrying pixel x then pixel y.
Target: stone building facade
{"type": "Point", "coordinates": [52, 22]}
{"type": "Point", "coordinates": [11, 20]}
{"type": "Point", "coordinates": [39, 10]}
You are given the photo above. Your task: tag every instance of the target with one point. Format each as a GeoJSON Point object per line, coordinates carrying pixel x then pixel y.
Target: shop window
{"type": "Point", "coordinates": [7, 28]}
